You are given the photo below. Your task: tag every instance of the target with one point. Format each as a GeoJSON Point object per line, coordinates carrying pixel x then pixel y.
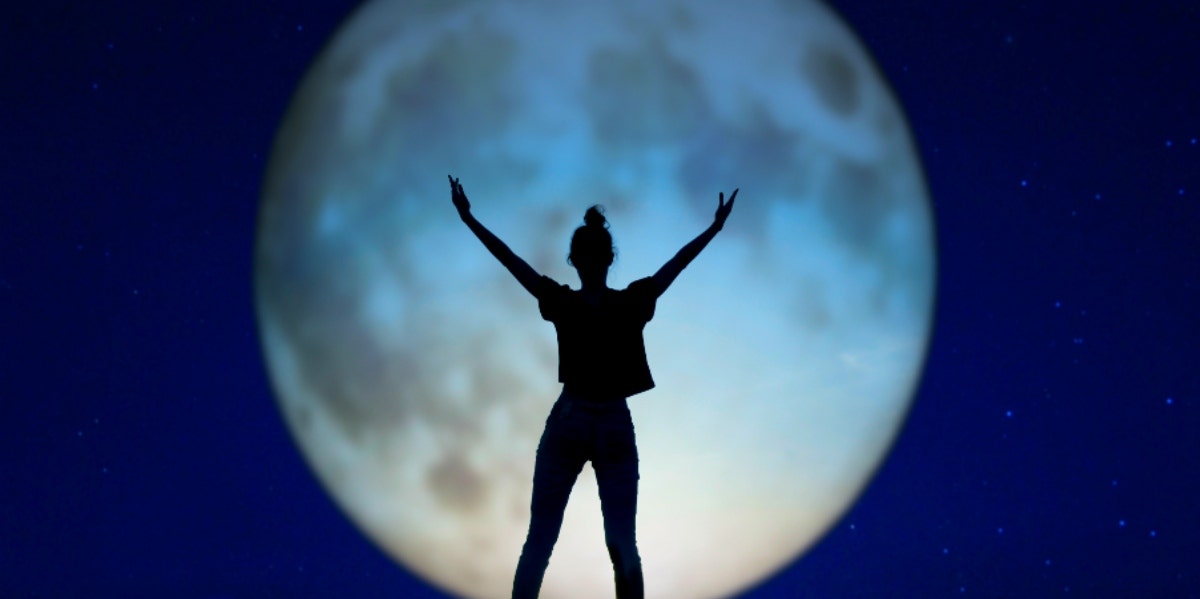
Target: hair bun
{"type": "Point", "coordinates": [594, 217]}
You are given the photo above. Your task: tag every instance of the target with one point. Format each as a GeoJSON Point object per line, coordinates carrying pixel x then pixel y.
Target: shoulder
{"type": "Point", "coordinates": [552, 297]}
{"type": "Point", "coordinates": [549, 287]}
{"type": "Point", "coordinates": [645, 287]}
{"type": "Point", "coordinates": [640, 297]}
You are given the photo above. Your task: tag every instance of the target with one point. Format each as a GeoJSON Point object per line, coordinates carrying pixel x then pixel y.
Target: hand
{"type": "Point", "coordinates": [723, 208]}
{"type": "Point", "coordinates": [459, 197]}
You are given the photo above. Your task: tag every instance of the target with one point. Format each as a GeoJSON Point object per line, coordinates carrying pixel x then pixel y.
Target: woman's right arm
{"type": "Point", "coordinates": [525, 275]}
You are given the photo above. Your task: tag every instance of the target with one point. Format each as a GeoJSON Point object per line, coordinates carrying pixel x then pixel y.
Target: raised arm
{"type": "Point", "coordinates": [526, 276]}
{"type": "Point", "coordinates": [666, 275]}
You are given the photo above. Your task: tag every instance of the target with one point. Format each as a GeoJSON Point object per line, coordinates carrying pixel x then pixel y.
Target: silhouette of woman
{"type": "Point", "coordinates": [601, 362]}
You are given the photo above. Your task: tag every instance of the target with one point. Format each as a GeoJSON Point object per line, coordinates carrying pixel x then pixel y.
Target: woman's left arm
{"type": "Point", "coordinates": [666, 275]}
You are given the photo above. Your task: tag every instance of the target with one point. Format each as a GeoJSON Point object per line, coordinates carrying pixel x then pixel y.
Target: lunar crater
{"type": "Point", "coordinates": [669, 99]}
{"type": "Point", "coordinates": [456, 485]}
{"type": "Point", "coordinates": [834, 79]}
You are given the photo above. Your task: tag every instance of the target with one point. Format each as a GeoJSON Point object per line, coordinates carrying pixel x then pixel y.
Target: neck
{"type": "Point", "coordinates": [593, 281]}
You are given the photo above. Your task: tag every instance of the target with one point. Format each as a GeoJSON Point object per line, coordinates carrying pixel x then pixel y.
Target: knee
{"type": "Point", "coordinates": [540, 539]}
{"type": "Point", "coordinates": [624, 557]}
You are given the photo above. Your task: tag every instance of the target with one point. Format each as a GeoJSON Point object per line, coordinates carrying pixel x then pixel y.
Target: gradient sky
{"type": "Point", "coordinates": [1052, 448]}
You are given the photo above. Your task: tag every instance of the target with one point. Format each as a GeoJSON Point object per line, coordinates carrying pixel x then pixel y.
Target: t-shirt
{"type": "Point", "coordinates": [600, 347]}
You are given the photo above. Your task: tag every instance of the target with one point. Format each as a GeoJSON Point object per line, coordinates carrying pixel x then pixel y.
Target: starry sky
{"type": "Point", "coordinates": [1052, 449]}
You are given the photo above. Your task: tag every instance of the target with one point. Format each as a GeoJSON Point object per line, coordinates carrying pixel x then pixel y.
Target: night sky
{"type": "Point", "coordinates": [1052, 449]}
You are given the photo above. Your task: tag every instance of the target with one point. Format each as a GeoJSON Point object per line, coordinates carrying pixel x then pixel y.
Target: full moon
{"type": "Point", "coordinates": [415, 373]}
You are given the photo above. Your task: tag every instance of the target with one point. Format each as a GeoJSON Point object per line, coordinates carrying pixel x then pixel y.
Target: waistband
{"type": "Point", "coordinates": [592, 403]}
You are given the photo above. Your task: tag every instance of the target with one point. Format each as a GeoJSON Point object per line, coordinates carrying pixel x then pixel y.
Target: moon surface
{"type": "Point", "coordinates": [415, 373]}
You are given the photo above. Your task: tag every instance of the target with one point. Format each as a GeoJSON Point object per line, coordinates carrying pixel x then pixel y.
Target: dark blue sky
{"type": "Point", "coordinates": [1053, 448]}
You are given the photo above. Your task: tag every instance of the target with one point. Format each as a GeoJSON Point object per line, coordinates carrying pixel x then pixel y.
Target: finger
{"type": "Point", "coordinates": [721, 199]}
{"type": "Point", "coordinates": [733, 195]}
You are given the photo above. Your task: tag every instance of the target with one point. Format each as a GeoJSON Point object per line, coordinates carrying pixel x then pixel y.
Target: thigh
{"type": "Point", "coordinates": [559, 461]}
{"type": "Point", "coordinates": [615, 461]}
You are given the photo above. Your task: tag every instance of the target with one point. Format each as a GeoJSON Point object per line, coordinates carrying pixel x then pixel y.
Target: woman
{"type": "Point", "coordinates": [601, 363]}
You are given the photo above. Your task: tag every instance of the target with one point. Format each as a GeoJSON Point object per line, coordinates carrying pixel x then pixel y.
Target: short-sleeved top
{"type": "Point", "coordinates": [601, 351]}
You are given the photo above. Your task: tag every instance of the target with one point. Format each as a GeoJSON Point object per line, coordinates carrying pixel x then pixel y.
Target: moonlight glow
{"type": "Point", "coordinates": [416, 374]}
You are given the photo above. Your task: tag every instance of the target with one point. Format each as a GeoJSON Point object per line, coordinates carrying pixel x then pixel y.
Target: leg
{"type": "Point", "coordinates": [616, 466]}
{"type": "Point", "coordinates": [558, 465]}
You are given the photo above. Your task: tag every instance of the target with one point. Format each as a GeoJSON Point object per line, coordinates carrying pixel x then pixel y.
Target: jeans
{"type": "Point", "coordinates": [577, 431]}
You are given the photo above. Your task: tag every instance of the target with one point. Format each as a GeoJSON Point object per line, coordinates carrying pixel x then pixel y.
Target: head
{"type": "Point", "coordinates": [592, 246]}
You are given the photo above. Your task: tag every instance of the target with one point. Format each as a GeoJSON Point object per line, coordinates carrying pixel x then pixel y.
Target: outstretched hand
{"type": "Point", "coordinates": [459, 197]}
{"type": "Point", "coordinates": [724, 208]}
